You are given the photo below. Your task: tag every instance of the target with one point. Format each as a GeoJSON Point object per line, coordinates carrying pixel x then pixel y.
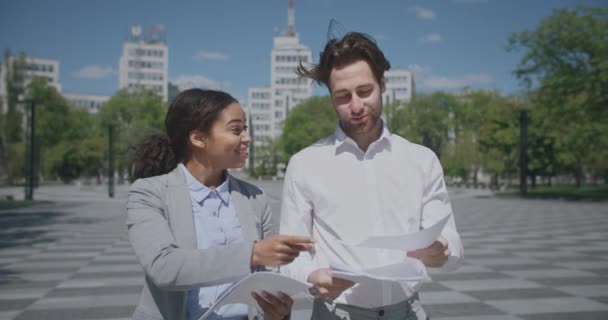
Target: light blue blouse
{"type": "Point", "coordinates": [216, 225]}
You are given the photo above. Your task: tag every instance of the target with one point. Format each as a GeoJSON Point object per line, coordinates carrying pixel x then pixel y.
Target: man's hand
{"type": "Point", "coordinates": [434, 256]}
{"type": "Point", "coordinates": [325, 286]}
{"type": "Point", "coordinates": [279, 249]}
{"type": "Point", "coordinates": [275, 307]}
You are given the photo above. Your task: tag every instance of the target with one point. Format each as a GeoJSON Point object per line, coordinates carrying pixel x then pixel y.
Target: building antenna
{"type": "Point", "coordinates": [291, 19]}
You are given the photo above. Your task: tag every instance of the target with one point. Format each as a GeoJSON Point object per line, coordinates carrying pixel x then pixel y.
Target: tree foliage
{"type": "Point", "coordinates": [565, 63]}
{"type": "Point", "coordinates": [134, 116]}
{"type": "Point", "coordinates": [426, 120]}
{"type": "Point", "coordinates": [313, 119]}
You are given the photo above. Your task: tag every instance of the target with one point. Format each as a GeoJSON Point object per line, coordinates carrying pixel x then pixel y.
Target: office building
{"type": "Point", "coordinates": [399, 86]}
{"type": "Point", "coordinates": [90, 102]}
{"type": "Point", "coordinates": [144, 62]}
{"type": "Point", "coordinates": [32, 67]}
{"type": "Point", "coordinates": [269, 106]}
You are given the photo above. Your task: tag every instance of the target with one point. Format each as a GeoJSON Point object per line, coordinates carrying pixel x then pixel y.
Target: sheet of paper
{"type": "Point", "coordinates": [408, 270]}
{"type": "Point", "coordinates": [271, 282]}
{"type": "Point", "coordinates": [405, 242]}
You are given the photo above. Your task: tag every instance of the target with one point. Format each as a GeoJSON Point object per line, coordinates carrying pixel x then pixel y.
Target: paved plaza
{"type": "Point", "coordinates": [524, 259]}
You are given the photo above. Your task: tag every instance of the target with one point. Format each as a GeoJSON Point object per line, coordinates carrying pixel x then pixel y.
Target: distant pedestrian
{"type": "Point", "coordinates": [362, 181]}
{"type": "Point", "coordinates": [193, 226]}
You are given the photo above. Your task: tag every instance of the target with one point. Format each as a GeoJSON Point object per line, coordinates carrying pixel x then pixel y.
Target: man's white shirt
{"type": "Point", "coordinates": [334, 190]}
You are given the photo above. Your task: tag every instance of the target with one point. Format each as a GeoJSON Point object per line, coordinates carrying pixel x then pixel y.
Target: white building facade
{"type": "Point", "coordinates": [269, 106]}
{"type": "Point", "coordinates": [32, 67]}
{"type": "Point", "coordinates": [144, 62]}
{"type": "Point", "coordinates": [259, 103]}
{"type": "Point", "coordinates": [399, 86]}
{"type": "Point", "coordinates": [89, 102]}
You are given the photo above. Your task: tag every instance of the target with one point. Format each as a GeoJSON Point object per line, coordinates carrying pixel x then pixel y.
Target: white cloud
{"type": "Point", "coordinates": [379, 36]}
{"type": "Point", "coordinates": [419, 70]}
{"type": "Point", "coordinates": [210, 55]}
{"type": "Point", "coordinates": [184, 82]}
{"type": "Point", "coordinates": [425, 79]}
{"type": "Point", "coordinates": [470, 1]}
{"type": "Point", "coordinates": [94, 72]}
{"type": "Point", "coordinates": [423, 13]}
{"type": "Point", "coordinates": [430, 38]}
{"type": "Point", "coordinates": [439, 82]}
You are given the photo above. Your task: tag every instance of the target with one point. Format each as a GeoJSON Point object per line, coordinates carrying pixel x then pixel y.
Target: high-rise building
{"type": "Point", "coordinates": [399, 86]}
{"type": "Point", "coordinates": [144, 61]}
{"type": "Point", "coordinates": [259, 101]}
{"type": "Point", "coordinates": [31, 67]}
{"type": "Point", "coordinates": [90, 102]}
{"type": "Point", "coordinates": [269, 106]}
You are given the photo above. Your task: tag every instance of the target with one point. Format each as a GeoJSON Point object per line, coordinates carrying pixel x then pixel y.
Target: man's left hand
{"type": "Point", "coordinates": [434, 256]}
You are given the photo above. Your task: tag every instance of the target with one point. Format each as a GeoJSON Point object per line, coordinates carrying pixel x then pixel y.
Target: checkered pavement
{"type": "Point", "coordinates": [525, 259]}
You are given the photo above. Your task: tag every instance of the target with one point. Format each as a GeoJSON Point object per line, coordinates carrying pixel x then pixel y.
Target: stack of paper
{"type": "Point", "coordinates": [240, 291]}
{"type": "Point", "coordinates": [409, 270]}
{"type": "Point", "coordinates": [404, 242]}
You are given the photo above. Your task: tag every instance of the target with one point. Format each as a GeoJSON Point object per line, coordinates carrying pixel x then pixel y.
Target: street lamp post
{"type": "Point", "coordinates": [111, 161]}
{"type": "Point", "coordinates": [523, 145]}
{"type": "Point", "coordinates": [30, 149]}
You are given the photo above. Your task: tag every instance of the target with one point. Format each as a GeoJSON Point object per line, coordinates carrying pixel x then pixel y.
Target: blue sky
{"type": "Point", "coordinates": [447, 43]}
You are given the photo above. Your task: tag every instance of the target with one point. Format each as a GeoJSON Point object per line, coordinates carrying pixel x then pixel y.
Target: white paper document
{"type": "Point", "coordinates": [405, 242]}
{"type": "Point", "coordinates": [271, 282]}
{"type": "Point", "coordinates": [408, 270]}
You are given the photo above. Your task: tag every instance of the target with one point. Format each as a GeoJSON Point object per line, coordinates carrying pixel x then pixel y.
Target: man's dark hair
{"type": "Point", "coordinates": [353, 47]}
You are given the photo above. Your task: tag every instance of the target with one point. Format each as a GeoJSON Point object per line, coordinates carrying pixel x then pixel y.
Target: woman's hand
{"type": "Point", "coordinates": [278, 250]}
{"type": "Point", "coordinates": [275, 307]}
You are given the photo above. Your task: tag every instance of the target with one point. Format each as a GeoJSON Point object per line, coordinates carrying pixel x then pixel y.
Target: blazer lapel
{"type": "Point", "coordinates": [244, 211]}
{"type": "Point", "coordinates": [180, 209]}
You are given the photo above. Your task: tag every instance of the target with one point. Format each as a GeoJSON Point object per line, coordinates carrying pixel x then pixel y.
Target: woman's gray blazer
{"type": "Point", "coordinates": [161, 231]}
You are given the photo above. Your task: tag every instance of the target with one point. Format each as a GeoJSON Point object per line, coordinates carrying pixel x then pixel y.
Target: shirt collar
{"type": "Point", "coordinates": [342, 138]}
{"type": "Point", "coordinates": [200, 192]}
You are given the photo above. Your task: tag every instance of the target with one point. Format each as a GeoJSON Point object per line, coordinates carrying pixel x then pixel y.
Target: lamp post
{"type": "Point", "coordinates": [111, 161]}
{"type": "Point", "coordinates": [523, 145]}
{"type": "Point", "coordinates": [30, 148]}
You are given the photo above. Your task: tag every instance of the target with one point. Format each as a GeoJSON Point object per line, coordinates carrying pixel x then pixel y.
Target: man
{"type": "Point", "coordinates": [359, 182]}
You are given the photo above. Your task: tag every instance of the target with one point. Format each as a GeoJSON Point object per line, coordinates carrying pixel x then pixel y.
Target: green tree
{"type": "Point", "coordinates": [15, 87]}
{"type": "Point", "coordinates": [69, 160]}
{"type": "Point", "coordinates": [11, 119]}
{"type": "Point", "coordinates": [565, 61]}
{"type": "Point", "coordinates": [426, 120]}
{"type": "Point", "coordinates": [53, 113]}
{"type": "Point", "coordinates": [134, 116]}
{"type": "Point", "coordinates": [466, 120]}
{"type": "Point", "coordinates": [309, 121]}
{"type": "Point", "coordinates": [498, 137]}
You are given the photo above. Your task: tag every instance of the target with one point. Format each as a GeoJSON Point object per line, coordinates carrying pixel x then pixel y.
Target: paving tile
{"type": "Point", "coordinates": [548, 273]}
{"type": "Point", "coordinates": [107, 282]}
{"type": "Point", "coordinates": [80, 313]}
{"type": "Point", "coordinates": [601, 315]}
{"type": "Point", "coordinates": [547, 305]}
{"type": "Point", "coordinates": [85, 302]}
{"type": "Point", "coordinates": [586, 291]}
{"type": "Point", "coordinates": [94, 291]}
{"type": "Point", "coordinates": [572, 281]}
{"type": "Point", "coordinates": [542, 292]}
{"type": "Point", "coordinates": [460, 309]}
{"type": "Point", "coordinates": [485, 317]}
{"type": "Point", "coordinates": [481, 285]}
{"type": "Point", "coordinates": [445, 297]}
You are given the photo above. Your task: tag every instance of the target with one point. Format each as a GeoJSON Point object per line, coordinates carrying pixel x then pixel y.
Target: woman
{"type": "Point", "coordinates": [194, 227]}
